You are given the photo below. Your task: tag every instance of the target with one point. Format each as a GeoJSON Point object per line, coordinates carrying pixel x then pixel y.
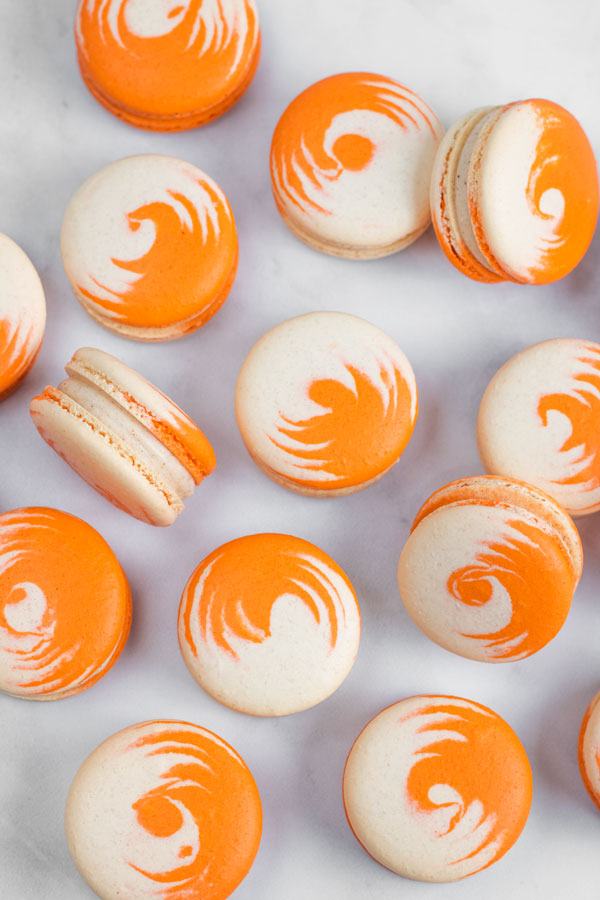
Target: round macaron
{"type": "Point", "coordinates": [150, 247]}
{"type": "Point", "coordinates": [326, 403]}
{"type": "Point", "coordinates": [514, 193]}
{"type": "Point", "coordinates": [539, 421]}
{"type": "Point", "coordinates": [22, 315]}
{"type": "Point", "coordinates": [167, 65]}
{"type": "Point", "coordinates": [437, 788]}
{"type": "Point", "coordinates": [490, 568]}
{"type": "Point", "coordinates": [269, 625]}
{"type": "Point", "coordinates": [123, 436]}
{"type": "Point", "coordinates": [589, 749]}
{"type": "Point", "coordinates": [351, 164]}
{"type": "Point", "coordinates": [65, 605]}
{"type": "Point", "coordinates": [163, 809]}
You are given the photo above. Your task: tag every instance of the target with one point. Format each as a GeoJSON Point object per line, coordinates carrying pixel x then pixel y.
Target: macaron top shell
{"type": "Point", "coordinates": [437, 788]}
{"type": "Point", "coordinates": [149, 245]}
{"type": "Point", "coordinates": [65, 605]}
{"type": "Point", "coordinates": [269, 624]}
{"type": "Point", "coordinates": [351, 160]}
{"type": "Point", "coordinates": [326, 401]}
{"type": "Point", "coordinates": [163, 810]}
{"type": "Point", "coordinates": [172, 62]}
{"type": "Point", "coordinates": [538, 421]}
{"type": "Point", "coordinates": [22, 314]}
{"type": "Point", "coordinates": [589, 749]}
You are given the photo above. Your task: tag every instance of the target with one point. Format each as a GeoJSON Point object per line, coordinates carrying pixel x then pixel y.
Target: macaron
{"type": "Point", "coordinates": [22, 315]}
{"type": "Point", "coordinates": [514, 193]}
{"type": "Point", "coordinates": [65, 605]}
{"type": "Point", "coordinates": [269, 625]}
{"type": "Point", "coordinates": [150, 247]}
{"type": "Point", "coordinates": [490, 568]}
{"type": "Point", "coordinates": [437, 788]}
{"type": "Point", "coordinates": [163, 809]}
{"type": "Point", "coordinates": [539, 421]}
{"type": "Point", "coordinates": [123, 436]}
{"type": "Point", "coordinates": [589, 749]}
{"type": "Point", "coordinates": [326, 403]}
{"type": "Point", "coordinates": [351, 162]}
{"type": "Point", "coordinates": [167, 65]}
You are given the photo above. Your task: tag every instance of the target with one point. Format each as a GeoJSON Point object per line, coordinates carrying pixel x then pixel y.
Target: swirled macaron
{"type": "Point", "coordinates": [490, 568]}
{"type": "Point", "coordinates": [22, 315]}
{"type": "Point", "coordinates": [326, 403]}
{"type": "Point", "coordinates": [65, 605]}
{"type": "Point", "coordinates": [150, 247]}
{"type": "Point", "coordinates": [163, 810]}
{"type": "Point", "coordinates": [351, 163]}
{"type": "Point", "coordinates": [123, 436]}
{"type": "Point", "coordinates": [514, 193]}
{"type": "Point", "coordinates": [269, 624]}
{"type": "Point", "coordinates": [589, 749]}
{"type": "Point", "coordinates": [437, 788]}
{"type": "Point", "coordinates": [539, 421]}
{"type": "Point", "coordinates": [167, 65]}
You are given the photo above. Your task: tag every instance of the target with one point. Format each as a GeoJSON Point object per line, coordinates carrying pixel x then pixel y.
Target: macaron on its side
{"type": "Point", "coordinates": [22, 315]}
{"type": "Point", "coordinates": [269, 625]}
{"type": "Point", "coordinates": [437, 788]}
{"type": "Point", "coordinates": [351, 160]}
{"type": "Point", "coordinates": [167, 67]}
{"type": "Point", "coordinates": [150, 247]}
{"type": "Point", "coordinates": [589, 750]}
{"type": "Point", "coordinates": [163, 808]}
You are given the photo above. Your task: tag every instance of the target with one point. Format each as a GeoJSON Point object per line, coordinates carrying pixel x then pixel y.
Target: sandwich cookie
{"type": "Point", "coordinates": [490, 568]}
{"type": "Point", "coordinates": [167, 65]}
{"type": "Point", "coordinates": [65, 605]}
{"type": "Point", "coordinates": [163, 811]}
{"type": "Point", "coordinates": [351, 164]}
{"type": "Point", "coordinates": [589, 749]}
{"type": "Point", "coordinates": [22, 315]}
{"type": "Point", "coordinates": [326, 403]}
{"type": "Point", "coordinates": [150, 247]}
{"type": "Point", "coordinates": [126, 439]}
{"type": "Point", "coordinates": [269, 625]}
{"type": "Point", "coordinates": [437, 788]}
{"type": "Point", "coordinates": [514, 193]}
{"type": "Point", "coordinates": [539, 421]}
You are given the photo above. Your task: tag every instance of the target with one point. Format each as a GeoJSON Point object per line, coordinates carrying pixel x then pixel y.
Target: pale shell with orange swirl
{"type": "Point", "coordinates": [437, 788]}
{"type": "Point", "coordinates": [269, 624]}
{"type": "Point", "coordinates": [163, 810]}
{"type": "Point", "coordinates": [589, 749]}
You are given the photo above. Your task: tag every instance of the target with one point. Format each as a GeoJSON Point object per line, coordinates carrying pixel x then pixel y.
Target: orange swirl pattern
{"type": "Point", "coordinates": [19, 347]}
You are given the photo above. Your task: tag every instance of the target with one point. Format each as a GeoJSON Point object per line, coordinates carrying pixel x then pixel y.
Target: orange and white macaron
{"type": "Point", "coordinates": [269, 625]}
{"type": "Point", "coordinates": [490, 568]}
{"type": "Point", "coordinates": [326, 403]}
{"type": "Point", "coordinates": [351, 164]}
{"type": "Point", "coordinates": [539, 421]}
{"type": "Point", "coordinates": [437, 788]}
{"type": "Point", "coordinates": [514, 193]}
{"type": "Point", "coordinates": [589, 749]}
{"type": "Point", "coordinates": [22, 315]}
{"type": "Point", "coordinates": [65, 605]}
{"type": "Point", "coordinates": [150, 247]}
{"type": "Point", "coordinates": [123, 436]}
{"type": "Point", "coordinates": [167, 65]}
{"type": "Point", "coordinates": [163, 809]}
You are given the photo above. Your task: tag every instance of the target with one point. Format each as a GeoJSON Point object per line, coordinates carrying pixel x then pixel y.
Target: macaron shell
{"type": "Point", "coordinates": [351, 160]}
{"type": "Point", "coordinates": [65, 605]}
{"type": "Point", "coordinates": [437, 788]}
{"type": "Point", "coordinates": [22, 315]}
{"type": "Point", "coordinates": [589, 750]}
{"type": "Point", "coordinates": [163, 809]}
{"type": "Point", "coordinates": [269, 625]}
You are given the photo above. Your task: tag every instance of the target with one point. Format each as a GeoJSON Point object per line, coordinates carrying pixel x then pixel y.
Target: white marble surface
{"type": "Point", "coordinates": [458, 54]}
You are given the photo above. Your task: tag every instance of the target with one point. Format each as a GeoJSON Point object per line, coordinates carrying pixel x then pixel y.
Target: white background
{"type": "Point", "coordinates": [458, 54]}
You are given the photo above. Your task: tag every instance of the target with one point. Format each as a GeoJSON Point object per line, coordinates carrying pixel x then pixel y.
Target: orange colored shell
{"type": "Point", "coordinates": [588, 750]}
{"type": "Point", "coordinates": [65, 605]}
{"type": "Point", "coordinates": [171, 65]}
